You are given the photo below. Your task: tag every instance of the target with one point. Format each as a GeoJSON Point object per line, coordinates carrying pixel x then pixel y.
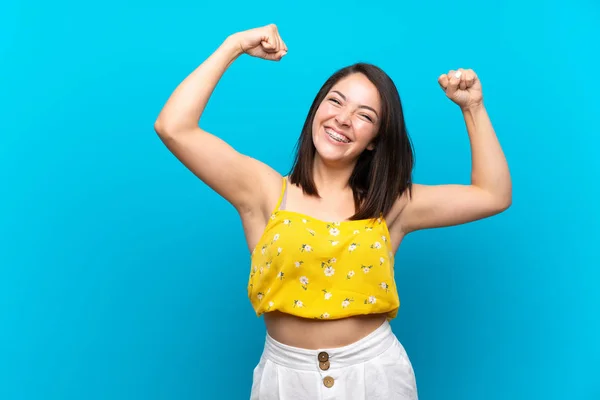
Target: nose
{"type": "Point", "coordinates": [343, 117]}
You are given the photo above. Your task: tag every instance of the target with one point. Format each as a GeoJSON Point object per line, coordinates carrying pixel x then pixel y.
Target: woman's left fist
{"type": "Point", "coordinates": [462, 87]}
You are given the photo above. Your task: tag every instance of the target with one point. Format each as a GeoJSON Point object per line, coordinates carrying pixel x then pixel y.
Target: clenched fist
{"type": "Point", "coordinates": [263, 42]}
{"type": "Point", "coordinates": [462, 87]}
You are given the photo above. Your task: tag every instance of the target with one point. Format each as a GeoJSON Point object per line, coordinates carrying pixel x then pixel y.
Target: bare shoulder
{"type": "Point", "coordinates": [393, 218]}
{"type": "Point", "coordinates": [261, 185]}
{"type": "Point", "coordinates": [268, 188]}
{"type": "Point", "coordinates": [266, 185]}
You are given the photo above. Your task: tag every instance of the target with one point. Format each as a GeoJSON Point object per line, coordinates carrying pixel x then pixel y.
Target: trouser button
{"type": "Point", "coordinates": [328, 381]}
{"type": "Point", "coordinates": [323, 356]}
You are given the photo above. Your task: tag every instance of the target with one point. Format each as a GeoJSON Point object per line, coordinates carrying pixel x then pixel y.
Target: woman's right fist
{"type": "Point", "coordinates": [263, 42]}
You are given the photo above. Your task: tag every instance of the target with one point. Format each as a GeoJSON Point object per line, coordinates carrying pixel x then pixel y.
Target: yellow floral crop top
{"type": "Point", "coordinates": [325, 270]}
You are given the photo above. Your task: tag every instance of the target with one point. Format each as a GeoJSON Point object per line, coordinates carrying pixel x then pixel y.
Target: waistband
{"type": "Point", "coordinates": [358, 352]}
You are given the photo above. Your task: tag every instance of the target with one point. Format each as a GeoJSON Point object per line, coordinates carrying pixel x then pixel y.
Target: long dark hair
{"type": "Point", "coordinates": [381, 175]}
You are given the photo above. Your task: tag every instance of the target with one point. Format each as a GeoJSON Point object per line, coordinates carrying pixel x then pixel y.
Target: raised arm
{"type": "Point", "coordinates": [490, 190]}
{"type": "Point", "coordinates": [238, 178]}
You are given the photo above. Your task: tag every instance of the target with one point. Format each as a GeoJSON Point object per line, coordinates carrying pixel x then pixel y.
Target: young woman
{"type": "Point", "coordinates": [323, 238]}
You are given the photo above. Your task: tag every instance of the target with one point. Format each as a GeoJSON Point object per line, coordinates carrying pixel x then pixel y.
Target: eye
{"type": "Point", "coordinates": [367, 117]}
{"type": "Point", "coordinates": [334, 100]}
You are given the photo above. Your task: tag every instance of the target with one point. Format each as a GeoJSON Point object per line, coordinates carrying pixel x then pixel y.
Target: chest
{"type": "Point", "coordinates": [326, 208]}
{"type": "Point", "coordinates": [295, 238]}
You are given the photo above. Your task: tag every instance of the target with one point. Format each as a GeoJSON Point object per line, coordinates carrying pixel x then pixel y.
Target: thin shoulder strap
{"type": "Point", "coordinates": [282, 196]}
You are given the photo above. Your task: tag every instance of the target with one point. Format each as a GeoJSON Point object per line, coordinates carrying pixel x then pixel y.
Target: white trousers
{"type": "Point", "coordinates": [375, 367]}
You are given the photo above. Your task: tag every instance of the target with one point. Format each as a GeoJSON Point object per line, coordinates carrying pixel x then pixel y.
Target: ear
{"type": "Point", "coordinates": [371, 146]}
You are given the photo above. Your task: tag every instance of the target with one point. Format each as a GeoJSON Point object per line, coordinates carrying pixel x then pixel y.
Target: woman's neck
{"type": "Point", "coordinates": [331, 179]}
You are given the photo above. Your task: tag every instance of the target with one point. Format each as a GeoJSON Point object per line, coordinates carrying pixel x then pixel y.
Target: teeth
{"type": "Point", "coordinates": [336, 136]}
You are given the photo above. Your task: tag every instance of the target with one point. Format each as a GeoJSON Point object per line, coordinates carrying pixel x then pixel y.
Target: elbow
{"type": "Point", "coordinates": [497, 202]}
{"type": "Point", "coordinates": [161, 128]}
{"type": "Point", "coordinates": [499, 198]}
{"type": "Point", "coordinates": [506, 198]}
{"type": "Point", "coordinates": [158, 128]}
{"type": "Point", "coordinates": [503, 203]}
{"type": "Point", "coordinates": [165, 129]}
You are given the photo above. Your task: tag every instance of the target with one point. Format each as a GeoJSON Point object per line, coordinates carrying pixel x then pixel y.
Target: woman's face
{"type": "Point", "coordinates": [347, 121]}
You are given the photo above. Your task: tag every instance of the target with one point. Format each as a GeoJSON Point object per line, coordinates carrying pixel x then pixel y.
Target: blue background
{"type": "Point", "coordinates": [123, 277]}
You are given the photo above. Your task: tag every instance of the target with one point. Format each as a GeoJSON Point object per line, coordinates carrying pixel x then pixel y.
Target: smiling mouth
{"type": "Point", "coordinates": [338, 137]}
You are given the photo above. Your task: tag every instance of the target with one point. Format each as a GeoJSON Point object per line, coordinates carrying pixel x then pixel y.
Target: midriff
{"type": "Point", "coordinates": [318, 334]}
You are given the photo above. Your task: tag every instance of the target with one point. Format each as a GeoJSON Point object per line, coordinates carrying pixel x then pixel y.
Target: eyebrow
{"type": "Point", "coordinates": [361, 106]}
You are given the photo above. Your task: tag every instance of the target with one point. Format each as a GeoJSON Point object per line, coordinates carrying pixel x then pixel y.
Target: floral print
{"type": "Point", "coordinates": [323, 269]}
{"type": "Point", "coordinates": [304, 282]}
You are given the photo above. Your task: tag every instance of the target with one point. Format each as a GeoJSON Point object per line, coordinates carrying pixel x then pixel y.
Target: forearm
{"type": "Point", "coordinates": [186, 104]}
{"type": "Point", "coordinates": [489, 169]}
